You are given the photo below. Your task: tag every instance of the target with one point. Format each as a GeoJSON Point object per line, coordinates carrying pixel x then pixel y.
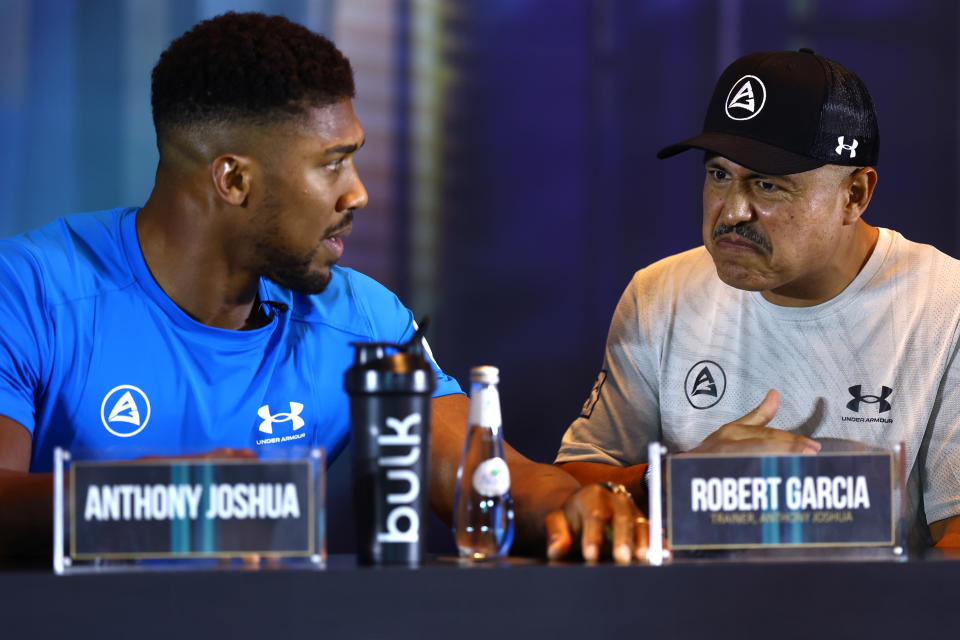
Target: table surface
{"type": "Point", "coordinates": [528, 599]}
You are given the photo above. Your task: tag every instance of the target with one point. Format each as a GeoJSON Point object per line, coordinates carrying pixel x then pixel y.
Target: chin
{"type": "Point", "coordinates": [742, 279]}
{"type": "Point", "coordinates": [311, 282]}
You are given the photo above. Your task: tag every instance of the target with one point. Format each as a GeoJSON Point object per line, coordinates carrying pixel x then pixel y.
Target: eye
{"type": "Point", "coordinates": [336, 165]}
{"type": "Point", "coordinates": [717, 174]}
{"type": "Point", "coordinates": [766, 187]}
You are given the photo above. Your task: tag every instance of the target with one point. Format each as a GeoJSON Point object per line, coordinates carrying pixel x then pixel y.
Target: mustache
{"type": "Point", "coordinates": [746, 230]}
{"type": "Point", "coordinates": [340, 226]}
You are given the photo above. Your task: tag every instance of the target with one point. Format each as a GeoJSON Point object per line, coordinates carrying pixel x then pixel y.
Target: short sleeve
{"type": "Point", "coordinates": [941, 463]}
{"type": "Point", "coordinates": [621, 415]}
{"type": "Point", "coordinates": [393, 322]}
{"type": "Point", "coordinates": [23, 333]}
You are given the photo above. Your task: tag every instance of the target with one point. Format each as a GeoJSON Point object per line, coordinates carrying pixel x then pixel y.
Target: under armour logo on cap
{"type": "Point", "coordinates": [746, 98]}
{"type": "Point", "coordinates": [852, 148]}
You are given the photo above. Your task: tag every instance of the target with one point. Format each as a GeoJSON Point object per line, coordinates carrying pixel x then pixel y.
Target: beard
{"type": "Point", "coordinates": [296, 271]}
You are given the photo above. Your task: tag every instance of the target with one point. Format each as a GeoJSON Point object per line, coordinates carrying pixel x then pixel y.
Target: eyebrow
{"type": "Point", "coordinates": [345, 148]}
{"type": "Point", "coordinates": [712, 164]}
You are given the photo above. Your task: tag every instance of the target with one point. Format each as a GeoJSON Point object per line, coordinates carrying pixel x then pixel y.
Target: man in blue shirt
{"type": "Point", "coordinates": [215, 317]}
{"type": "Point", "coordinates": [125, 371]}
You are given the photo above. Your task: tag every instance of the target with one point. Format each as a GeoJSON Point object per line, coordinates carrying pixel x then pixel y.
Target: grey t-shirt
{"type": "Point", "coordinates": [877, 364]}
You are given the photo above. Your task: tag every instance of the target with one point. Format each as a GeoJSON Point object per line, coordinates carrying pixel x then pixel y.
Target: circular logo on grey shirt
{"type": "Point", "coordinates": [705, 384]}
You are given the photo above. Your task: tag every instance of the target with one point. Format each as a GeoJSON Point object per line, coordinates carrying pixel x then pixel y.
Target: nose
{"type": "Point", "coordinates": [736, 208]}
{"type": "Point", "coordinates": [355, 197]}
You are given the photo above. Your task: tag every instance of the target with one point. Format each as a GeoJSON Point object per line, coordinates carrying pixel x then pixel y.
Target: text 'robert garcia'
{"type": "Point", "coordinates": [271, 501]}
{"type": "Point", "coordinates": [751, 494]}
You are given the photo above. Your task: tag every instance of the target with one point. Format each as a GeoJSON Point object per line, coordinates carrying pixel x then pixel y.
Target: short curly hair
{"type": "Point", "coordinates": [246, 67]}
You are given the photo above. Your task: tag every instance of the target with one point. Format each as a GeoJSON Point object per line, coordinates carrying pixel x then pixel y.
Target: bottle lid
{"type": "Point", "coordinates": [383, 367]}
{"type": "Point", "coordinates": [485, 374]}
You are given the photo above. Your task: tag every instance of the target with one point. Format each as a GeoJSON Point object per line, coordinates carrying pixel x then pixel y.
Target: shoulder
{"type": "Point", "coordinates": [352, 303]}
{"type": "Point", "coordinates": [915, 263]}
{"type": "Point", "coordinates": [72, 257]}
{"type": "Point", "coordinates": [681, 268]}
{"type": "Point", "coordinates": [679, 286]}
{"type": "Point", "coordinates": [904, 249]}
{"type": "Point", "coordinates": [691, 271]}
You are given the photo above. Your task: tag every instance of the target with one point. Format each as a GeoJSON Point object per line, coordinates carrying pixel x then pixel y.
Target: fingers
{"type": "Point", "coordinates": [227, 452]}
{"type": "Point", "coordinates": [776, 444]}
{"type": "Point", "coordinates": [247, 561]}
{"type": "Point", "coordinates": [591, 540]}
{"type": "Point", "coordinates": [624, 521]}
{"type": "Point", "coordinates": [765, 411]}
{"type": "Point", "coordinates": [750, 434]}
{"type": "Point", "coordinates": [641, 537]}
{"type": "Point", "coordinates": [756, 440]}
{"type": "Point", "coordinates": [559, 538]}
{"type": "Point", "coordinates": [597, 516]}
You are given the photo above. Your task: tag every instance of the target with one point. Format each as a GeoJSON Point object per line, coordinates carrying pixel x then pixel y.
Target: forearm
{"type": "Point", "coordinates": [26, 514]}
{"type": "Point", "coordinates": [448, 429]}
{"type": "Point", "coordinates": [537, 490]}
{"type": "Point", "coordinates": [631, 477]}
{"type": "Point", "coordinates": [946, 533]}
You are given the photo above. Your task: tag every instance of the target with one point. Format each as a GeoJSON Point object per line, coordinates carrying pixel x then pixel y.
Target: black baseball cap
{"type": "Point", "coordinates": [780, 112]}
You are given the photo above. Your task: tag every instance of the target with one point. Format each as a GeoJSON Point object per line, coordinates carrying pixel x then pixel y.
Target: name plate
{"type": "Point", "coordinates": [192, 508]}
{"type": "Point", "coordinates": [742, 502]}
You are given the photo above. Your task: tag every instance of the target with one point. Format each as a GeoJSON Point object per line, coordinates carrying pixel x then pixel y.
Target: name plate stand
{"type": "Point", "coordinates": [831, 505]}
{"type": "Point", "coordinates": [182, 513]}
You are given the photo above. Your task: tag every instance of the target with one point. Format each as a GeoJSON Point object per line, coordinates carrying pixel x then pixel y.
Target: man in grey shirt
{"type": "Point", "coordinates": [851, 331]}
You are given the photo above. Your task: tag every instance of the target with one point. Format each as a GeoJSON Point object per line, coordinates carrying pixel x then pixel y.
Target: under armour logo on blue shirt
{"type": "Point", "coordinates": [266, 426]}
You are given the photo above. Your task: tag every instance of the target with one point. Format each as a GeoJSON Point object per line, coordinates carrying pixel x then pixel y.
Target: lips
{"type": "Point", "coordinates": [734, 242]}
{"type": "Point", "coordinates": [740, 238]}
{"type": "Point", "coordinates": [334, 242]}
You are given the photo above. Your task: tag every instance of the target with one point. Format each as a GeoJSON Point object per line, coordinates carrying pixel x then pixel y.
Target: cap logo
{"type": "Point", "coordinates": [852, 147]}
{"type": "Point", "coordinates": [746, 98]}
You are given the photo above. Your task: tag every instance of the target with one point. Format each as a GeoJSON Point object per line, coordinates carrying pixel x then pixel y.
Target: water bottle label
{"type": "Point", "coordinates": [491, 478]}
{"type": "Point", "coordinates": [484, 407]}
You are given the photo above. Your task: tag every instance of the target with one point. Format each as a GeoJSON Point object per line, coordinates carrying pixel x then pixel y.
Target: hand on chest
{"type": "Point", "coordinates": [822, 395]}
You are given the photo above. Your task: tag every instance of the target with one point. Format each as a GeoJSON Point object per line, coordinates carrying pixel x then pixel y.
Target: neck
{"type": "Point", "coordinates": [188, 252]}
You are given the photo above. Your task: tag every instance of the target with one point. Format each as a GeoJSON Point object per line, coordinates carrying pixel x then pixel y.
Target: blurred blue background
{"type": "Point", "coordinates": [510, 149]}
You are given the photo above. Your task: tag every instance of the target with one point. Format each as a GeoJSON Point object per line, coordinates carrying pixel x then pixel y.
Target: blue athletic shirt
{"type": "Point", "coordinates": [96, 358]}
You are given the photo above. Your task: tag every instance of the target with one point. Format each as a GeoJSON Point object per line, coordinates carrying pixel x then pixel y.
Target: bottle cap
{"type": "Point", "coordinates": [485, 374]}
{"type": "Point", "coordinates": [384, 367]}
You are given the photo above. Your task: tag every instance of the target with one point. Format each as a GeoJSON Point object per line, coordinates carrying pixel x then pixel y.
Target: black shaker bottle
{"type": "Point", "coordinates": [390, 388]}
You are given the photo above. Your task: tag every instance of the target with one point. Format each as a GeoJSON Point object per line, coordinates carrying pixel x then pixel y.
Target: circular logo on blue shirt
{"type": "Point", "coordinates": [129, 411]}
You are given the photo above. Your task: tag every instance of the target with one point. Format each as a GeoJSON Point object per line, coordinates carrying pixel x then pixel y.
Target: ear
{"type": "Point", "coordinates": [858, 190]}
{"type": "Point", "coordinates": [232, 176]}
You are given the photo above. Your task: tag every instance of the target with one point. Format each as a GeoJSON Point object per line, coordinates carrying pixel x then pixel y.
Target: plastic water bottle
{"type": "Point", "coordinates": [482, 506]}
